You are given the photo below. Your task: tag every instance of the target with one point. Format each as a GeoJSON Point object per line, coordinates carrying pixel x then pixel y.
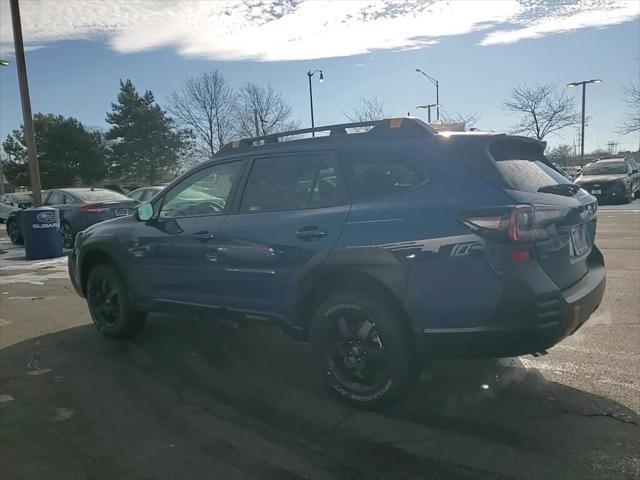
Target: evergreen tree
{"type": "Point", "coordinates": [145, 144]}
{"type": "Point", "coordinates": [68, 153]}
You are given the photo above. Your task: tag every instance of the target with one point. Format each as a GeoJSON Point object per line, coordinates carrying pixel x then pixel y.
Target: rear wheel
{"type": "Point", "coordinates": [636, 194]}
{"type": "Point", "coordinates": [14, 233]}
{"type": "Point", "coordinates": [66, 232]}
{"type": "Point", "coordinates": [109, 304]}
{"type": "Point", "coordinates": [364, 349]}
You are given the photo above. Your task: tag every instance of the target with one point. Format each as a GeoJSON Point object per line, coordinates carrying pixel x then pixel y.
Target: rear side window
{"type": "Point", "coordinates": [371, 176]}
{"type": "Point", "coordinates": [522, 166]}
{"type": "Point", "coordinates": [292, 183]}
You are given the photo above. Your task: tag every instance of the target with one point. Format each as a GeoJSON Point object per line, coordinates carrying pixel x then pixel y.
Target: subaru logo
{"type": "Point", "coordinates": [46, 217]}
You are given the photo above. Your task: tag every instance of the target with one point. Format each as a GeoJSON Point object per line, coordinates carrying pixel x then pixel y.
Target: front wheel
{"type": "Point", "coordinates": [109, 304]}
{"type": "Point", "coordinates": [364, 349]}
{"type": "Point", "coordinates": [14, 233]}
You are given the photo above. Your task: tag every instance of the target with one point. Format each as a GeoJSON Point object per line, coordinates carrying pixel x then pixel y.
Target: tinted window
{"type": "Point", "coordinates": [284, 183]}
{"type": "Point", "coordinates": [522, 166]}
{"type": "Point", "coordinates": [205, 192]}
{"type": "Point", "coordinates": [100, 195]}
{"type": "Point", "coordinates": [137, 195]}
{"type": "Point", "coordinates": [55, 198]}
{"type": "Point", "coordinates": [369, 176]}
{"type": "Point", "coordinates": [328, 190]}
{"type": "Point", "coordinates": [5, 199]}
{"type": "Point", "coordinates": [609, 168]}
{"type": "Point", "coordinates": [528, 175]}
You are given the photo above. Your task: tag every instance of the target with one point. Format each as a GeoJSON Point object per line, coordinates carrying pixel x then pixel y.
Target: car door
{"type": "Point", "coordinates": [173, 256]}
{"type": "Point", "coordinates": [292, 212]}
{"type": "Point", "coordinates": [64, 203]}
{"type": "Point", "coordinates": [6, 205]}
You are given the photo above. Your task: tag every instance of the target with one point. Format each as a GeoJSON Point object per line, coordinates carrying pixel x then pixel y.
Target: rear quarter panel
{"type": "Point", "coordinates": [448, 280]}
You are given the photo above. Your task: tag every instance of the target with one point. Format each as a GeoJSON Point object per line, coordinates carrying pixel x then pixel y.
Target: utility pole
{"type": "Point", "coordinates": [27, 118]}
{"type": "Point", "coordinates": [255, 121]}
{"type": "Point", "coordinates": [584, 92]}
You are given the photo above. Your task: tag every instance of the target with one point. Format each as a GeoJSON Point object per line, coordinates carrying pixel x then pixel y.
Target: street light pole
{"type": "Point", "coordinates": [437, 85]}
{"type": "Point", "coordinates": [311, 74]}
{"type": "Point", "coordinates": [584, 94]}
{"type": "Point", "coordinates": [27, 118]}
{"type": "Point", "coordinates": [428, 108]}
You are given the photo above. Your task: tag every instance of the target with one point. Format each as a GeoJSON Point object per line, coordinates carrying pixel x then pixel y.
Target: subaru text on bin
{"type": "Point", "coordinates": [383, 249]}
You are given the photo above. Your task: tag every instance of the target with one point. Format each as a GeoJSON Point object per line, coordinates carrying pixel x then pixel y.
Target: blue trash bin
{"type": "Point", "coordinates": [41, 232]}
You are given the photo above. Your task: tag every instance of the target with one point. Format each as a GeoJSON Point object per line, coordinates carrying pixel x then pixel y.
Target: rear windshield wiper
{"type": "Point", "coordinates": [566, 189]}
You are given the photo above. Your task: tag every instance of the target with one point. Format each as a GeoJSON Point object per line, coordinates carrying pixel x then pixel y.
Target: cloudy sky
{"type": "Point", "coordinates": [78, 49]}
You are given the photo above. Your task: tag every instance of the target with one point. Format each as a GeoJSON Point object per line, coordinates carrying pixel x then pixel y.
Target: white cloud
{"type": "Point", "coordinates": [299, 29]}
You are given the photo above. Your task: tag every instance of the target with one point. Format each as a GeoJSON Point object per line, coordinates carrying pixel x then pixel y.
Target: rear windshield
{"type": "Point", "coordinates": [609, 168]}
{"type": "Point", "coordinates": [100, 195]}
{"type": "Point", "coordinates": [523, 167]}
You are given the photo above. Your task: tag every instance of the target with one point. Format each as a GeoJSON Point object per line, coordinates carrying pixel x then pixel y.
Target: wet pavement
{"type": "Point", "coordinates": [189, 398]}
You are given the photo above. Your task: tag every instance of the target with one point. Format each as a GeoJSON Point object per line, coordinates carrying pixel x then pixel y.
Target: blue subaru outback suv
{"type": "Point", "coordinates": [381, 248]}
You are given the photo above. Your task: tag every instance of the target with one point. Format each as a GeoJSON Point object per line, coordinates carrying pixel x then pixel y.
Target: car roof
{"type": "Point", "coordinates": [611, 160]}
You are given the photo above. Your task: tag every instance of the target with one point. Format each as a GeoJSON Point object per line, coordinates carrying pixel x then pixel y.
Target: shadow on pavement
{"type": "Point", "coordinates": [190, 399]}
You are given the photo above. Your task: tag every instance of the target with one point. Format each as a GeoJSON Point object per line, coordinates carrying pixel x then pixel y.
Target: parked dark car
{"type": "Point", "coordinates": [79, 208]}
{"type": "Point", "coordinates": [613, 179]}
{"type": "Point", "coordinates": [11, 202]}
{"type": "Point", "coordinates": [383, 249]}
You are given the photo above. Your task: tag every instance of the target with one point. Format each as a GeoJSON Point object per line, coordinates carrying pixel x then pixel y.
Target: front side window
{"type": "Point", "coordinates": [292, 183]}
{"type": "Point", "coordinates": [370, 176]}
{"type": "Point", "coordinates": [205, 192]}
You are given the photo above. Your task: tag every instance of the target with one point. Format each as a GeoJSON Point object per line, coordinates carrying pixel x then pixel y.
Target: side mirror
{"type": "Point", "coordinates": [23, 205]}
{"type": "Point", "coordinates": [634, 171]}
{"type": "Point", "coordinates": [144, 211]}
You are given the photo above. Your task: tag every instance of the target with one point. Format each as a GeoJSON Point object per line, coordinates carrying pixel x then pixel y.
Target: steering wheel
{"type": "Point", "coordinates": [201, 208]}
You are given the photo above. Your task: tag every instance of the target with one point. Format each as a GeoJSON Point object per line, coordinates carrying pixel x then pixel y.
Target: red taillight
{"type": "Point", "coordinates": [94, 208]}
{"type": "Point", "coordinates": [514, 223]}
{"type": "Point", "coordinates": [520, 256]}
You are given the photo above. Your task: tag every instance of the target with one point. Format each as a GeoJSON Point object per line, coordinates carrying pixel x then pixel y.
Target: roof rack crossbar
{"type": "Point", "coordinates": [302, 131]}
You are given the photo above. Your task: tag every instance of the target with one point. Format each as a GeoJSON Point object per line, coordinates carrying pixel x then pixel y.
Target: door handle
{"type": "Point", "coordinates": [311, 233]}
{"type": "Point", "coordinates": [203, 236]}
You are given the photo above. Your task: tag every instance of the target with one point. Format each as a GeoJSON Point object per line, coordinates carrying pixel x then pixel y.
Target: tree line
{"type": "Point", "coordinates": [148, 144]}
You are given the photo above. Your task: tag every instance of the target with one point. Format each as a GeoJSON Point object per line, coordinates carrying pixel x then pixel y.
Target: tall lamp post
{"type": "Point", "coordinates": [435, 82]}
{"type": "Point", "coordinates": [584, 91]}
{"type": "Point", "coordinates": [311, 74]}
{"type": "Point", "coordinates": [3, 63]}
{"type": "Point", "coordinates": [428, 108]}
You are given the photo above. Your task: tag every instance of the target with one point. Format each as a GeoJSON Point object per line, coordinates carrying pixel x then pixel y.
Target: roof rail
{"type": "Point", "coordinates": [403, 125]}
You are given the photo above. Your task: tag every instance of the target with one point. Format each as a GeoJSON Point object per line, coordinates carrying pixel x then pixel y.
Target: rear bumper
{"type": "Point", "coordinates": [547, 318]}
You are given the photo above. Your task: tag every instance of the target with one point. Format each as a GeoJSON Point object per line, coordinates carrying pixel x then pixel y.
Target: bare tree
{"type": "Point", "coordinates": [469, 119]}
{"type": "Point", "coordinates": [262, 110]}
{"type": "Point", "coordinates": [560, 154]}
{"type": "Point", "coordinates": [543, 108]}
{"type": "Point", "coordinates": [206, 106]}
{"type": "Point", "coordinates": [632, 99]}
{"type": "Point", "coordinates": [365, 110]}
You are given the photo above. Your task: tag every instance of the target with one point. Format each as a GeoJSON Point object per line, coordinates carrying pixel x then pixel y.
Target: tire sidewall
{"type": "Point", "coordinates": [17, 238]}
{"type": "Point", "coordinates": [395, 339]}
{"type": "Point", "coordinates": [128, 319]}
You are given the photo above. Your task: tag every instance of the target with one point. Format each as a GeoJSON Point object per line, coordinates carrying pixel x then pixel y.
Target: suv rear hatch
{"type": "Point", "coordinates": [549, 213]}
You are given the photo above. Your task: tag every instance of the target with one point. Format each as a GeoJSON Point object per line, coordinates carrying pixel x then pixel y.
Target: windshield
{"type": "Point", "coordinates": [23, 198]}
{"type": "Point", "coordinates": [100, 195]}
{"type": "Point", "coordinates": [609, 168]}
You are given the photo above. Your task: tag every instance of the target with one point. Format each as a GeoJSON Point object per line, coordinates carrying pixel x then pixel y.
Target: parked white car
{"type": "Point", "coordinates": [13, 201]}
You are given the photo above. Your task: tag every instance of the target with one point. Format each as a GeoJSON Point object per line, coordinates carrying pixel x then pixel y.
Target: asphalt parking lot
{"type": "Point", "coordinates": [192, 399]}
